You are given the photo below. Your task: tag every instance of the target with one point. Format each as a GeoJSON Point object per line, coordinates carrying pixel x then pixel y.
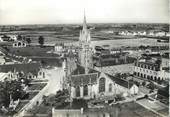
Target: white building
{"type": "Point", "coordinates": [18, 44]}
{"type": "Point", "coordinates": [13, 37]}
{"type": "Point", "coordinates": [59, 48]}
{"type": "Point", "coordinates": [150, 69]}
{"type": "Point", "coordinates": [8, 38]}
{"type": "Point", "coordinates": [160, 34]}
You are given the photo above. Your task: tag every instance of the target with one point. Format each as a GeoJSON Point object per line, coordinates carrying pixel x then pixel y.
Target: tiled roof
{"type": "Point", "coordinates": [120, 81]}
{"type": "Point", "coordinates": [84, 79]}
{"type": "Point", "coordinates": [25, 68]}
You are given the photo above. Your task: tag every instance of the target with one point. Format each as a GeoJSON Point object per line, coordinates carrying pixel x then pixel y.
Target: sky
{"type": "Point", "coordinates": [72, 11]}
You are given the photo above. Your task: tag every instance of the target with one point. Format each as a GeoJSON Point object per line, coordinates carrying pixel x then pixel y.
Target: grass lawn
{"type": "Point", "coordinates": [37, 86]}
{"type": "Point", "coordinates": [39, 80]}
{"type": "Point", "coordinates": [48, 61]}
{"type": "Point", "coordinates": [32, 51]}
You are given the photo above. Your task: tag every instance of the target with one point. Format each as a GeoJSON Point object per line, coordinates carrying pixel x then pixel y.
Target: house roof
{"type": "Point", "coordinates": [120, 81]}
{"type": "Point", "coordinates": [25, 68]}
{"type": "Point", "coordinates": [84, 79]}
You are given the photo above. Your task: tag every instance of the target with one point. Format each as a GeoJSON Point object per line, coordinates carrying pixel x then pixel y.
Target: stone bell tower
{"type": "Point", "coordinates": [85, 50]}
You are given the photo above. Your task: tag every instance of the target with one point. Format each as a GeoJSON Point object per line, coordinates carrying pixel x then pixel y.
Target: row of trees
{"type": "Point", "coordinates": [28, 39]}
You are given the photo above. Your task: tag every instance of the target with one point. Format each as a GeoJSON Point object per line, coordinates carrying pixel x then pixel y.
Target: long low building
{"type": "Point", "coordinates": [151, 69]}
{"type": "Point", "coordinates": [28, 70]}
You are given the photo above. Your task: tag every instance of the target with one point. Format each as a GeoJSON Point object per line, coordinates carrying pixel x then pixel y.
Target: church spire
{"type": "Point", "coordinates": [84, 22]}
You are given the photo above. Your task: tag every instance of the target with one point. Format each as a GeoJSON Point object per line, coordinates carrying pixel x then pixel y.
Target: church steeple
{"type": "Point", "coordinates": [84, 22]}
{"type": "Point", "coordinates": [85, 54]}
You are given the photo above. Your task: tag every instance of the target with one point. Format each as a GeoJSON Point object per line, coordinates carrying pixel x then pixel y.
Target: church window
{"type": "Point", "coordinates": [102, 85]}
{"type": "Point", "coordinates": [78, 91]}
{"type": "Point", "coordinates": [110, 87]}
{"type": "Point", "coordinates": [138, 74]}
{"type": "Point", "coordinates": [144, 75]}
{"type": "Point", "coordinates": [85, 90]}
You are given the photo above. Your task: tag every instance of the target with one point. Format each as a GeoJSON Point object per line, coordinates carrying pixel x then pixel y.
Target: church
{"type": "Point", "coordinates": [87, 83]}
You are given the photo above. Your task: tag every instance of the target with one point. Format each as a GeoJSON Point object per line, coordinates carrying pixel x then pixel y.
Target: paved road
{"type": "Point", "coordinates": [55, 77]}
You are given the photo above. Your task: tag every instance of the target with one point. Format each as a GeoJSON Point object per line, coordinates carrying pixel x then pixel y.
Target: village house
{"type": "Point", "coordinates": [8, 38]}
{"type": "Point", "coordinates": [58, 48]}
{"type": "Point", "coordinates": [29, 70]}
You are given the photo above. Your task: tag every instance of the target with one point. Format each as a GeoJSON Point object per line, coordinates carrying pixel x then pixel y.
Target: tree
{"type": "Point", "coordinates": [10, 88]}
{"type": "Point", "coordinates": [41, 40]}
{"type": "Point", "coordinates": [4, 95]}
{"type": "Point", "coordinates": [28, 40]}
{"type": "Point", "coordinates": [143, 83]}
{"type": "Point", "coordinates": [19, 37]}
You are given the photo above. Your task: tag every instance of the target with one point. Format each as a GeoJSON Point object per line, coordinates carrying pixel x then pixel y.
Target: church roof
{"type": "Point", "coordinates": [81, 70]}
{"type": "Point", "coordinates": [84, 79]}
{"type": "Point", "coordinates": [120, 81]}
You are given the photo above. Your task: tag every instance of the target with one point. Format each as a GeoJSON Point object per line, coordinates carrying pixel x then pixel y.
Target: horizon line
{"type": "Point", "coordinates": [88, 23]}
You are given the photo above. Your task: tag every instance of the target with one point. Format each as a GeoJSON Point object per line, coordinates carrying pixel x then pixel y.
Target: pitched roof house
{"type": "Point", "coordinates": [24, 69]}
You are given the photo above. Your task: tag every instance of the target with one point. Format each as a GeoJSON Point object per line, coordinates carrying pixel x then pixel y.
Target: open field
{"type": "Point", "coordinates": [72, 34]}
{"type": "Point", "coordinates": [31, 51]}
{"type": "Point", "coordinates": [129, 42]}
